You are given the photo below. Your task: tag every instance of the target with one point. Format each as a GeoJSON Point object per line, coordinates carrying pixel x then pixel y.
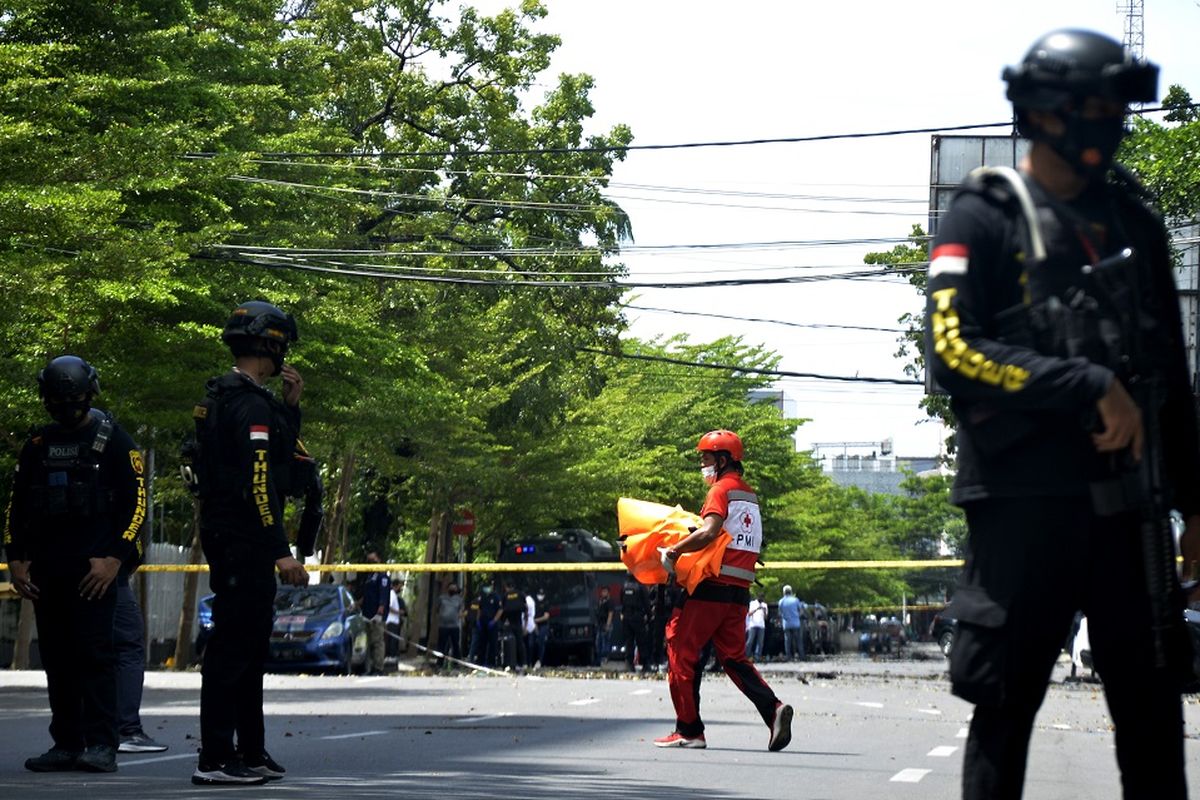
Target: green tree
{"type": "Point", "coordinates": [834, 523]}
{"type": "Point", "coordinates": [132, 244]}
{"type": "Point", "coordinates": [1163, 156]}
{"type": "Point", "coordinates": [910, 260]}
{"type": "Point", "coordinates": [637, 438]}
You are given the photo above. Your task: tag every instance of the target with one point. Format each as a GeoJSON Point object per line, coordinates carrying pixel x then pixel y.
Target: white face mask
{"type": "Point", "coordinates": [709, 474]}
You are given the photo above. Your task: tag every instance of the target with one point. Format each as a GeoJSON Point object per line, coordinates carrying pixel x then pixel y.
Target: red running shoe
{"type": "Point", "coordinates": [677, 739]}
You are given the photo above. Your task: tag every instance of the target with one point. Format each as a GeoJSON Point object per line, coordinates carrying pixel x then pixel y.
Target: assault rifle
{"type": "Point", "coordinates": [1104, 323]}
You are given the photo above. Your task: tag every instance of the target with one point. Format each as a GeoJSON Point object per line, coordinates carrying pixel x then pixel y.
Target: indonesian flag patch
{"type": "Point", "coordinates": [260, 432]}
{"type": "Point", "coordinates": [948, 259]}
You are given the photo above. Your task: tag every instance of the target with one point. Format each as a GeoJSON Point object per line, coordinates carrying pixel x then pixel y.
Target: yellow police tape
{"type": "Point", "coordinates": [589, 566]}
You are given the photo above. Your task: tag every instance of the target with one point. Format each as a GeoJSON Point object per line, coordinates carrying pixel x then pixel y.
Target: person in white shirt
{"type": "Point", "coordinates": [397, 614]}
{"type": "Point", "coordinates": [756, 627]}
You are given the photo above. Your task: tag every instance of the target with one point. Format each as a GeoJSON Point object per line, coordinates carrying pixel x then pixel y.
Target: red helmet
{"type": "Point", "coordinates": [714, 441]}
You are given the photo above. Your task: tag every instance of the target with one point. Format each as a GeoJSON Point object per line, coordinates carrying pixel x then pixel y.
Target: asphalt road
{"type": "Point", "coordinates": [862, 728]}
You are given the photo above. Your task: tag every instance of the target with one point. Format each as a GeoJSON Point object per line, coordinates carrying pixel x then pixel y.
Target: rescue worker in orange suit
{"type": "Point", "coordinates": [74, 517]}
{"type": "Point", "coordinates": [716, 610]}
{"type": "Point", "coordinates": [248, 456]}
{"type": "Point", "coordinates": [1053, 322]}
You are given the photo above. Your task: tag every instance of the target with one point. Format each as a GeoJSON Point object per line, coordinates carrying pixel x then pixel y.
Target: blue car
{"type": "Point", "coordinates": [316, 628]}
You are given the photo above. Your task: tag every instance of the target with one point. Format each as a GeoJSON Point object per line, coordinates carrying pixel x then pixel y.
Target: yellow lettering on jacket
{"type": "Point", "coordinates": [8, 522]}
{"type": "Point", "coordinates": [258, 489]}
{"type": "Point", "coordinates": [953, 349]}
{"type": "Point", "coordinates": [139, 508]}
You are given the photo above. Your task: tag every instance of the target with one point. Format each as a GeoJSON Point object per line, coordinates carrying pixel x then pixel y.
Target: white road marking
{"type": "Point", "coordinates": [484, 718]}
{"type": "Point", "coordinates": [587, 701]}
{"type": "Point", "coordinates": [642, 691]}
{"type": "Point", "coordinates": [942, 751]}
{"type": "Point", "coordinates": [935, 712]}
{"type": "Point", "coordinates": [962, 733]}
{"type": "Point", "coordinates": [353, 735]}
{"type": "Point", "coordinates": [910, 775]}
{"type": "Point", "coordinates": [372, 679]}
{"type": "Point", "coordinates": [1061, 727]}
{"type": "Point", "coordinates": [870, 705]}
{"type": "Point", "coordinates": [156, 759]}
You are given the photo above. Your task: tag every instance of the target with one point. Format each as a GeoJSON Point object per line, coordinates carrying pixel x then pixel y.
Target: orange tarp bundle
{"type": "Point", "coordinates": [644, 527]}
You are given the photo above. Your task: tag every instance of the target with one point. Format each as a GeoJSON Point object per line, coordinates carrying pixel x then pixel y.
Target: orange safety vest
{"type": "Point", "coordinates": [644, 527]}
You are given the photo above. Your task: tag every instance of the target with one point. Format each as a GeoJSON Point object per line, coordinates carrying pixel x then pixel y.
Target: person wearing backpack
{"type": "Point", "coordinates": [1053, 322]}
{"type": "Point", "coordinates": [74, 518]}
{"type": "Point", "coordinates": [247, 442]}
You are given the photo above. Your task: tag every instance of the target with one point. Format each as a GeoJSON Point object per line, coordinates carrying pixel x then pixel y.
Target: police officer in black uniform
{"type": "Point", "coordinates": [1044, 330]}
{"type": "Point", "coordinates": [74, 517]}
{"type": "Point", "coordinates": [491, 610]}
{"type": "Point", "coordinates": [247, 441]}
{"type": "Point", "coordinates": [513, 614]}
{"type": "Point", "coordinates": [636, 615]}
{"type": "Point", "coordinates": [470, 630]}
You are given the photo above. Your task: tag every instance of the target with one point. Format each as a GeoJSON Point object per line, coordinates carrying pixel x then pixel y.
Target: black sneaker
{"type": "Point", "coordinates": [53, 760]}
{"type": "Point", "coordinates": [140, 743]}
{"type": "Point", "coordinates": [97, 758]}
{"type": "Point", "coordinates": [231, 773]}
{"type": "Point", "coordinates": [264, 765]}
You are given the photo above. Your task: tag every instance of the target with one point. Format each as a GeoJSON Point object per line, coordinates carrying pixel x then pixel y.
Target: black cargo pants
{"type": "Point", "coordinates": [1031, 563]}
{"type": "Point", "coordinates": [75, 640]}
{"type": "Point", "coordinates": [231, 687]}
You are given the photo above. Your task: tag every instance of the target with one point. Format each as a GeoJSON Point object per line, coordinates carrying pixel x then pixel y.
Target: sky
{"type": "Point", "coordinates": [703, 71]}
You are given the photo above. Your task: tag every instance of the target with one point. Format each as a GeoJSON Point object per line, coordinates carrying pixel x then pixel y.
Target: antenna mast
{"type": "Point", "coordinates": [1135, 38]}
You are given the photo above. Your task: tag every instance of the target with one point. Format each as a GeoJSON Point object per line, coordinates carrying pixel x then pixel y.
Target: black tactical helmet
{"type": "Point", "coordinates": [66, 378]}
{"type": "Point", "coordinates": [1059, 74]}
{"type": "Point", "coordinates": [259, 319]}
{"type": "Point", "coordinates": [1067, 65]}
{"type": "Point", "coordinates": [252, 325]}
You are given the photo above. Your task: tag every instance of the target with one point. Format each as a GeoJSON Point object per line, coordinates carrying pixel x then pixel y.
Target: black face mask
{"type": "Point", "coordinates": [1089, 145]}
{"type": "Point", "coordinates": [276, 354]}
{"type": "Point", "coordinates": [68, 414]}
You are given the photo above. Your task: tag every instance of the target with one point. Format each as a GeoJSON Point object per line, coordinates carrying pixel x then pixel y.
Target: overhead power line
{"type": "Point", "coordinates": [625, 148]}
{"type": "Point", "coordinates": [613, 148]}
{"type": "Point", "coordinates": [501, 282]}
{"type": "Point", "coordinates": [750, 370]}
{"type": "Point", "coordinates": [610, 184]}
{"type": "Point", "coordinates": [577, 208]}
{"type": "Point", "coordinates": [818, 325]}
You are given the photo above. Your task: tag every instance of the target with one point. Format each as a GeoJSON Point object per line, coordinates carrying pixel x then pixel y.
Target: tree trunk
{"type": "Point", "coordinates": [437, 549]}
{"type": "Point", "coordinates": [24, 636]}
{"type": "Point", "coordinates": [337, 519]}
{"type": "Point", "coordinates": [184, 635]}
